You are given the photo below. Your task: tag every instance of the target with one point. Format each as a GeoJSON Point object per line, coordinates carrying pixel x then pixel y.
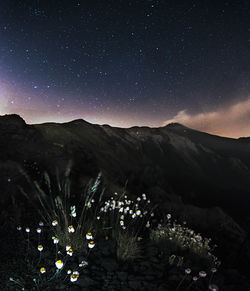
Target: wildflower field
{"type": "Point", "coordinates": [105, 241]}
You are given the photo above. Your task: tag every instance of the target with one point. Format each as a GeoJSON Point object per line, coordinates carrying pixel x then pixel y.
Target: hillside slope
{"type": "Point", "coordinates": [171, 163]}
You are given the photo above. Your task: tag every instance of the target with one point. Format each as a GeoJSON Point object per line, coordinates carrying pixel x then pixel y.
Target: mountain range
{"type": "Point", "coordinates": [170, 163]}
{"type": "Point", "coordinates": [199, 176]}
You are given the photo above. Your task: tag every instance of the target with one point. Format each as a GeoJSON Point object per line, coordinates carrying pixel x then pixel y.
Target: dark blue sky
{"type": "Point", "coordinates": [124, 63]}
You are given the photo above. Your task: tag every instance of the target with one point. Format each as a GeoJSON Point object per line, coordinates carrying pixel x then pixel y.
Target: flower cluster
{"type": "Point", "coordinates": [126, 210]}
{"type": "Point", "coordinates": [61, 262]}
{"type": "Point", "coordinates": [185, 239]}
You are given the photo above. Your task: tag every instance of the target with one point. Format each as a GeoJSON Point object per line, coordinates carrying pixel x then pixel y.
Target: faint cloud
{"type": "Point", "coordinates": [231, 121]}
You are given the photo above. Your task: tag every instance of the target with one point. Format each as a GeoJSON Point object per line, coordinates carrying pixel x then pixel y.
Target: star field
{"type": "Point", "coordinates": [125, 63]}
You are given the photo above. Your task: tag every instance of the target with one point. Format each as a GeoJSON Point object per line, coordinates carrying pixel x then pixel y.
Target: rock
{"type": "Point", "coordinates": [149, 278]}
{"type": "Point", "coordinates": [122, 276]}
{"type": "Point", "coordinates": [109, 264]}
{"type": "Point", "coordinates": [162, 287]}
{"type": "Point", "coordinates": [135, 285]}
{"type": "Point", "coordinates": [60, 286]}
{"type": "Point", "coordinates": [74, 288]}
{"type": "Point", "coordinates": [152, 251]}
{"type": "Point", "coordinates": [145, 264]}
{"type": "Point", "coordinates": [154, 260]}
{"type": "Point", "coordinates": [107, 247]}
{"type": "Point", "coordinates": [85, 282]}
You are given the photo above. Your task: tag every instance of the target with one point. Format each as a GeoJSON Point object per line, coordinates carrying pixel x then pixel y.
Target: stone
{"type": "Point", "coordinates": [135, 285]}
{"type": "Point", "coordinates": [162, 287]}
{"type": "Point", "coordinates": [109, 264]}
{"type": "Point", "coordinates": [85, 282]}
{"type": "Point", "coordinates": [122, 276]}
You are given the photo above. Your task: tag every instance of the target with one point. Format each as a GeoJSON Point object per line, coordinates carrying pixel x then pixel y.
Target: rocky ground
{"type": "Point", "coordinates": [103, 271]}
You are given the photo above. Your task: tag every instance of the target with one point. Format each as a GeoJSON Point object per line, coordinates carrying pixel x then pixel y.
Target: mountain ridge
{"type": "Point", "coordinates": [200, 168]}
{"type": "Point", "coordinates": [11, 118]}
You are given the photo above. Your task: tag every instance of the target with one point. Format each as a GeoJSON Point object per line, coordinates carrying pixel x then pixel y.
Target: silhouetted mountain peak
{"type": "Point", "coordinates": [13, 119]}
{"type": "Point", "coordinates": [175, 125]}
{"type": "Point", "coordinates": [79, 120]}
{"type": "Point", "coordinates": [244, 139]}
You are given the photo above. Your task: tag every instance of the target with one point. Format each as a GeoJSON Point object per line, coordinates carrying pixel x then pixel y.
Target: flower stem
{"type": "Point", "coordinates": [39, 258]}
{"type": "Point", "coordinates": [28, 244]}
{"type": "Point", "coordinates": [180, 282]}
{"type": "Point", "coordinates": [189, 286]}
{"type": "Point", "coordinates": [211, 278]}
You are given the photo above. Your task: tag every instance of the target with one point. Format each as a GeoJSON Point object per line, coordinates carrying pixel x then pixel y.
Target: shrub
{"type": "Point", "coordinates": [173, 238]}
{"type": "Point", "coordinates": [128, 247]}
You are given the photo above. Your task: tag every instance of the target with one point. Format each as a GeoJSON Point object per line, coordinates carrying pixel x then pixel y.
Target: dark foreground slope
{"type": "Point", "coordinates": [199, 177]}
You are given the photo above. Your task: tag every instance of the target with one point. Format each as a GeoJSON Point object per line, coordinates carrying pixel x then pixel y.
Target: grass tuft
{"type": "Point", "coordinates": [128, 247]}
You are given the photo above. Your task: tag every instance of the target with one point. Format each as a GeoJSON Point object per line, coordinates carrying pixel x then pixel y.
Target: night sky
{"type": "Point", "coordinates": [128, 63]}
